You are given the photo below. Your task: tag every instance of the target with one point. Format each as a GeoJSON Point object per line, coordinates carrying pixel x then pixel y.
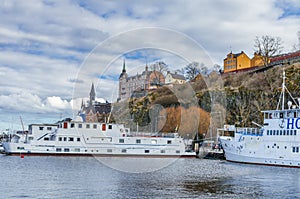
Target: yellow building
{"type": "Point", "coordinates": [236, 62]}
{"type": "Point", "coordinates": [257, 60]}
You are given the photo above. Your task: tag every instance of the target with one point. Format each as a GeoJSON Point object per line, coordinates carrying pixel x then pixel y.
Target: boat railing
{"type": "Point", "coordinates": [249, 131]}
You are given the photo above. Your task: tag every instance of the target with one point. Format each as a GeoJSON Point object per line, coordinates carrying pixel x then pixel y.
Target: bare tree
{"type": "Point", "coordinates": [160, 66]}
{"type": "Point", "coordinates": [296, 47]}
{"type": "Point", "coordinates": [192, 70]}
{"type": "Point", "coordinates": [159, 70]}
{"type": "Point", "coordinates": [267, 46]}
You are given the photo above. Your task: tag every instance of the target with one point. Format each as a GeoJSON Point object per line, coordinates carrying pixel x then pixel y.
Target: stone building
{"type": "Point", "coordinates": [139, 84]}
{"type": "Point", "coordinates": [93, 110]}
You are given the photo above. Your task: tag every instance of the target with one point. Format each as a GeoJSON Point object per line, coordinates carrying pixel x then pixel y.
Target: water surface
{"type": "Point", "coordinates": [85, 177]}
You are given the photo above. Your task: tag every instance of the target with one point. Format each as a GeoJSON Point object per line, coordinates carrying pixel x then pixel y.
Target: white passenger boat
{"type": "Point", "coordinates": [75, 137]}
{"type": "Point", "coordinates": [276, 142]}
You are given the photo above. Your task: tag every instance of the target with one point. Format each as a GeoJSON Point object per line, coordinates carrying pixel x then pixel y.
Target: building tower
{"type": "Point", "coordinates": [92, 95]}
{"type": "Point", "coordinates": [122, 83]}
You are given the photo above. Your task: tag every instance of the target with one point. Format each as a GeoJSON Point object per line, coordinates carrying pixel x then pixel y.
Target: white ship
{"type": "Point", "coordinates": [75, 137]}
{"type": "Point", "coordinates": [276, 142]}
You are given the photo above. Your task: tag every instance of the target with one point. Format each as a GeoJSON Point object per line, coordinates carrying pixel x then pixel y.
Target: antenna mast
{"type": "Point", "coordinates": [283, 89]}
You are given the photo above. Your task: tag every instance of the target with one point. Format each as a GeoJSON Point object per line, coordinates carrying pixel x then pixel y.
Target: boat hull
{"type": "Point", "coordinates": [234, 154]}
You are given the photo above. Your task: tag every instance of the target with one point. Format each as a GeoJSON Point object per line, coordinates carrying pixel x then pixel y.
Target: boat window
{"type": "Point", "coordinates": [103, 127]}
{"type": "Point", "coordinates": [72, 125]}
{"type": "Point", "coordinates": [58, 149]}
{"type": "Point", "coordinates": [66, 150]}
{"type": "Point", "coordinates": [281, 115]}
{"type": "Point", "coordinates": [65, 139]}
{"type": "Point", "coordinates": [270, 115]}
{"type": "Point", "coordinates": [295, 114]}
{"type": "Point", "coordinates": [266, 115]}
{"type": "Point", "coordinates": [71, 139]}
{"type": "Point", "coordinates": [277, 132]}
{"type": "Point", "coordinates": [41, 128]}
{"type": "Point", "coordinates": [46, 138]}
{"type": "Point", "coordinates": [77, 150]}
{"type": "Point", "coordinates": [162, 151]}
{"type": "Point", "coordinates": [177, 151]}
{"type": "Point", "coordinates": [283, 132]}
{"type": "Point", "coordinates": [280, 132]}
{"type": "Point", "coordinates": [295, 149]}
{"type": "Point", "coordinates": [80, 126]}
{"type": "Point", "coordinates": [65, 125]}
{"type": "Point", "coordinates": [287, 132]}
{"type": "Point", "coordinates": [153, 141]}
{"type": "Point", "coordinates": [78, 139]}
{"type": "Point", "coordinates": [124, 150]}
{"type": "Point", "coordinates": [87, 126]}
{"type": "Point", "coordinates": [147, 151]}
{"type": "Point", "coordinates": [110, 126]}
{"type": "Point", "coordinates": [109, 150]}
{"type": "Point", "coordinates": [49, 128]}
{"type": "Point", "coordinates": [295, 132]}
{"type": "Point", "coordinates": [94, 126]}
{"type": "Point", "coordinates": [138, 141]}
{"type": "Point", "coordinates": [169, 142]}
{"type": "Point", "coordinates": [121, 140]}
{"type": "Point", "coordinates": [59, 138]}
{"type": "Point", "coordinates": [267, 132]}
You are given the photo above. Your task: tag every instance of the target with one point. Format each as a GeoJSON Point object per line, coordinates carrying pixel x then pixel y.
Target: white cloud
{"type": "Point", "coordinates": [57, 103]}
{"type": "Point", "coordinates": [44, 44]}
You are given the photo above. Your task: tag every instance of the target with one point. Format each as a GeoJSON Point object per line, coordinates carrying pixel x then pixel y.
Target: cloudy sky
{"type": "Point", "coordinates": [51, 51]}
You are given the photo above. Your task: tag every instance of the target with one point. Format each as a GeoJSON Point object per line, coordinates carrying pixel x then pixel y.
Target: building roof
{"type": "Point", "coordinates": [177, 76]}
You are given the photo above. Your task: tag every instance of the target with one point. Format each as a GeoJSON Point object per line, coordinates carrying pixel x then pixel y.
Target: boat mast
{"type": "Point", "coordinates": [283, 89]}
{"type": "Point", "coordinates": [23, 129]}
